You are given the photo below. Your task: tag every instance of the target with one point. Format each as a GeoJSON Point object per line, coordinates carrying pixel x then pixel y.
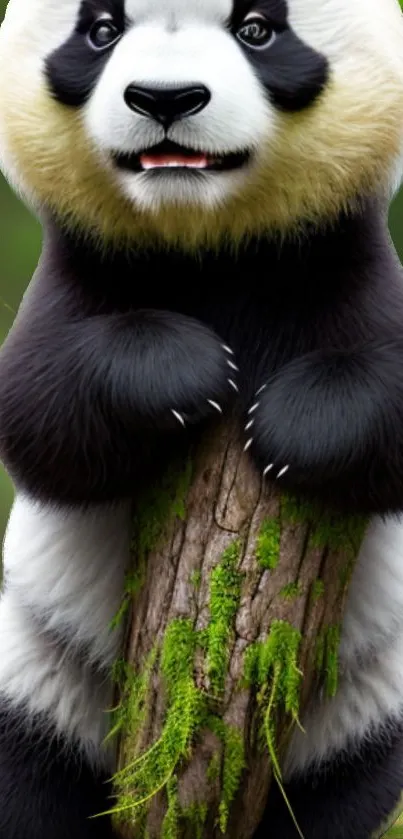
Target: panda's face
{"type": "Point", "coordinates": [179, 99]}
{"type": "Point", "coordinates": [200, 118]}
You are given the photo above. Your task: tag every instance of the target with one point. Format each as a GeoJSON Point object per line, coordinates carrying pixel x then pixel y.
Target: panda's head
{"type": "Point", "coordinates": [194, 120]}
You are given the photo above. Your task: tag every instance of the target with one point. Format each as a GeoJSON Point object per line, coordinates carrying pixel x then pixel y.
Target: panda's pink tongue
{"type": "Point", "coordinates": [158, 161]}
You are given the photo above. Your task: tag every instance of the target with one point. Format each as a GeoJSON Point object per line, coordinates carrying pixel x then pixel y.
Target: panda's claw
{"type": "Point", "coordinates": [248, 444]}
{"type": "Point", "coordinates": [233, 366]}
{"type": "Point", "coordinates": [253, 408]}
{"type": "Point", "coordinates": [233, 385]}
{"type": "Point", "coordinates": [215, 405]}
{"type": "Point", "coordinates": [179, 417]}
{"type": "Point", "coordinates": [227, 349]}
{"type": "Point", "coordinates": [279, 474]}
{"type": "Point", "coordinates": [249, 425]}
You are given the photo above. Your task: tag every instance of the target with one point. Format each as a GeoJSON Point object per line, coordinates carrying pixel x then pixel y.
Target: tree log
{"type": "Point", "coordinates": [236, 595]}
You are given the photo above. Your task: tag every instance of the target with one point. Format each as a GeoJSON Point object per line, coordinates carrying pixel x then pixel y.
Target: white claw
{"type": "Point", "coordinates": [265, 471]}
{"type": "Point", "coordinates": [253, 408]}
{"type": "Point", "coordinates": [233, 385]}
{"type": "Point", "coordinates": [179, 417]}
{"type": "Point", "coordinates": [227, 349]}
{"type": "Point", "coordinates": [232, 365]}
{"type": "Point", "coordinates": [283, 471]}
{"type": "Point", "coordinates": [260, 390]}
{"type": "Point", "coordinates": [249, 424]}
{"type": "Point", "coordinates": [215, 405]}
{"type": "Point", "coordinates": [248, 444]}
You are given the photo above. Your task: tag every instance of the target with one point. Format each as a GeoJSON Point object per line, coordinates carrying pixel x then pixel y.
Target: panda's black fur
{"type": "Point", "coordinates": [122, 354]}
{"type": "Point", "coordinates": [328, 354]}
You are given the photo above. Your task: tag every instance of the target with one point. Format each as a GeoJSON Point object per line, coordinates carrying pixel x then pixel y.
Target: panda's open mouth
{"type": "Point", "coordinates": [169, 155]}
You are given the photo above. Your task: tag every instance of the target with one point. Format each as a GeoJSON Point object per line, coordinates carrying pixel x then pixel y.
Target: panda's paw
{"type": "Point", "coordinates": [202, 401]}
{"type": "Point", "coordinates": [304, 458]}
{"type": "Point", "coordinates": [271, 469]}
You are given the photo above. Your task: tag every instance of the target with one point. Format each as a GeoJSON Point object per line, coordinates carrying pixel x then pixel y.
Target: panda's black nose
{"type": "Point", "coordinates": [166, 105]}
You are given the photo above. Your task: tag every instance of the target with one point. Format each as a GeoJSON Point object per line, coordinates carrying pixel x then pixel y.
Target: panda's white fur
{"type": "Point", "coordinates": [64, 564]}
{"type": "Point", "coordinates": [64, 577]}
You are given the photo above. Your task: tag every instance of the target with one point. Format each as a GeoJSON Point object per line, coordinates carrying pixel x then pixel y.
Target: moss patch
{"type": "Point", "coordinates": [268, 544]}
{"type": "Point", "coordinates": [327, 657]}
{"type": "Point", "coordinates": [170, 825]}
{"type": "Point", "coordinates": [131, 714]}
{"type": "Point", "coordinates": [195, 579]}
{"type": "Point", "coordinates": [158, 506]}
{"type": "Point", "coordinates": [291, 591]}
{"type": "Point", "coordinates": [327, 530]}
{"type": "Point", "coordinates": [153, 513]}
{"type": "Point", "coordinates": [317, 590]}
{"type": "Point", "coordinates": [234, 764]}
{"type": "Point", "coordinates": [187, 707]}
{"type": "Point", "coordinates": [195, 816]}
{"type": "Point", "coordinates": [231, 765]}
{"type": "Point", "coordinates": [154, 770]}
{"type": "Point", "coordinates": [272, 666]}
{"type": "Point", "coordinates": [225, 593]}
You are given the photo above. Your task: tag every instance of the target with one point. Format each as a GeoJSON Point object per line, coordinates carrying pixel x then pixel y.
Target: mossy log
{"type": "Point", "coordinates": [237, 595]}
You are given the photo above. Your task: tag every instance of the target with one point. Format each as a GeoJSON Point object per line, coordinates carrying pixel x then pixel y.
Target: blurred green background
{"type": "Point", "coordinates": [20, 243]}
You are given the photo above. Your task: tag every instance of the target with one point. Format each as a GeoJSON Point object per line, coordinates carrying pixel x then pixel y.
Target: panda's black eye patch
{"type": "Point", "coordinates": [293, 73]}
{"type": "Point", "coordinates": [73, 69]}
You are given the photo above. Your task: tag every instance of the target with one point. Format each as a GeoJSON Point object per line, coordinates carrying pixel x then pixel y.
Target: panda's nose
{"type": "Point", "coordinates": [167, 105]}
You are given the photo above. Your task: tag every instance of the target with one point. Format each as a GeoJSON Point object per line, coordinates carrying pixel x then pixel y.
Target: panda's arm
{"type": "Point", "coordinates": [83, 397]}
{"type": "Point", "coordinates": [329, 422]}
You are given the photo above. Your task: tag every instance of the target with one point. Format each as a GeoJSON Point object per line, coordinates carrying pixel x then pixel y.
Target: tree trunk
{"type": "Point", "coordinates": [237, 594]}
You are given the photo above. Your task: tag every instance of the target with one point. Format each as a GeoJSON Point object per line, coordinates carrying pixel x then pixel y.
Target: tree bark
{"type": "Point", "coordinates": [237, 595]}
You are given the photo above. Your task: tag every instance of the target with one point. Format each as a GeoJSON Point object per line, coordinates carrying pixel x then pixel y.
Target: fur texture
{"type": "Point", "coordinates": [278, 297]}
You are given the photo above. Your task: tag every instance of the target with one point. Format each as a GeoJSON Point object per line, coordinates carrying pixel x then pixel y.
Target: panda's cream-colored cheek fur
{"type": "Point", "coordinates": [310, 165]}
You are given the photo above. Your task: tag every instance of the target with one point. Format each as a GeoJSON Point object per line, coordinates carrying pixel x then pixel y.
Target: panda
{"type": "Point", "coordinates": [213, 179]}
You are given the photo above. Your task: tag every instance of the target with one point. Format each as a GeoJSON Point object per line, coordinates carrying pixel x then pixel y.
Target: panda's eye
{"type": "Point", "coordinates": [256, 32]}
{"type": "Point", "coordinates": [102, 34]}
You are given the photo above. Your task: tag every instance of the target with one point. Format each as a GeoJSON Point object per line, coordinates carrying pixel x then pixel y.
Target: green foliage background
{"type": "Point", "coordinates": [20, 243]}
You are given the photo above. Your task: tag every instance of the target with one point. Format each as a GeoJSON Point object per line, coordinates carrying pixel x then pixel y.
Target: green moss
{"type": "Point", "coordinates": [272, 667]}
{"type": "Point", "coordinates": [327, 529]}
{"type": "Point", "coordinates": [346, 573]}
{"type": "Point", "coordinates": [130, 715]}
{"type": "Point", "coordinates": [327, 657]}
{"type": "Point", "coordinates": [134, 581]}
{"type": "Point", "coordinates": [234, 764]}
{"type": "Point", "coordinates": [187, 713]}
{"type": "Point", "coordinates": [229, 765]}
{"type": "Point", "coordinates": [153, 770]}
{"type": "Point", "coordinates": [317, 590]}
{"type": "Point", "coordinates": [225, 592]}
{"type": "Point", "coordinates": [157, 507]}
{"type": "Point", "coordinates": [153, 513]}
{"type": "Point", "coordinates": [274, 662]}
{"type": "Point", "coordinates": [214, 769]}
{"type": "Point", "coordinates": [195, 816]}
{"type": "Point", "coordinates": [268, 544]}
{"type": "Point", "coordinates": [195, 579]}
{"type": "Point", "coordinates": [171, 823]}
{"type": "Point", "coordinates": [291, 591]}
